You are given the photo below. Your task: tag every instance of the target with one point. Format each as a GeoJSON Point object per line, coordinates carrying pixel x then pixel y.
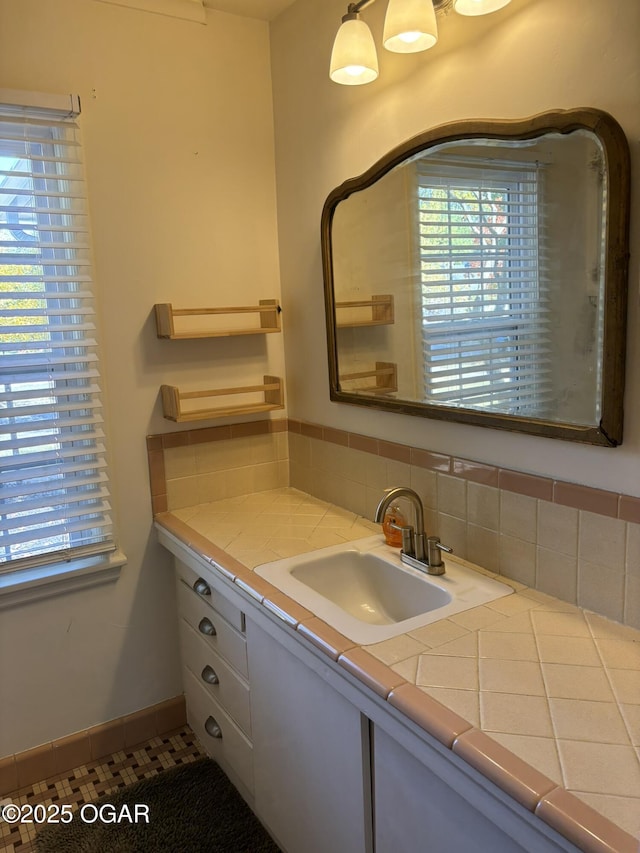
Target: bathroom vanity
{"type": "Point", "coordinates": [333, 749]}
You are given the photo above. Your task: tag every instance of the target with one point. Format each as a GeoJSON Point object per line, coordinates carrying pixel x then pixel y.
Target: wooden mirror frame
{"type": "Point", "coordinates": [617, 163]}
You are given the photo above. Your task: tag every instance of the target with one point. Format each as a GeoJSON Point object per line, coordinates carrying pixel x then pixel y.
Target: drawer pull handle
{"type": "Point", "coordinates": [209, 675]}
{"type": "Point", "coordinates": [212, 728]}
{"type": "Point", "coordinates": [202, 587]}
{"type": "Point", "coordinates": [207, 627]}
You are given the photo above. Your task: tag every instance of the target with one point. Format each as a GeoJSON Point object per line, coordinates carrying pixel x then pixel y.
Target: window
{"type": "Point", "coordinates": [483, 301]}
{"type": "Point", "coordinates": [54, 496]}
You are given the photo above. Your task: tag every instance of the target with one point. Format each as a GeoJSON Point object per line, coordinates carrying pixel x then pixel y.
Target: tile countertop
{"type": "Point", "coordinates": [540, 696]}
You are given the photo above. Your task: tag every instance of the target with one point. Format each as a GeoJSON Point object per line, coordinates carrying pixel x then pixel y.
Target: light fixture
{"type": "Point", "coordinates": [478, 7]}
{"type": "Point", "coordinates": [409, 26]}
{"type": "Point", "coordinates": [353, 59]}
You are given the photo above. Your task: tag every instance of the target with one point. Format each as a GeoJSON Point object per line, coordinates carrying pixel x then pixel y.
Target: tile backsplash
{"type": "Point", "coordinates": [202, 465]}
{"type": "Point", "coordinates": [575, 543]}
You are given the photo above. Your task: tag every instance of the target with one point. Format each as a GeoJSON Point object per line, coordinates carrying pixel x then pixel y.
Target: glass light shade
{"type": "Point", "coordinates": [478, 7]}
{"type": "Point", "coordinates": [410, 26]}
{"type": "Point", "coordinates": [353, 59]}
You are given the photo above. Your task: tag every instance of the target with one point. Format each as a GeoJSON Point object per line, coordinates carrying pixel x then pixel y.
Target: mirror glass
{"type": "Point", "coordinates": [478, 274]}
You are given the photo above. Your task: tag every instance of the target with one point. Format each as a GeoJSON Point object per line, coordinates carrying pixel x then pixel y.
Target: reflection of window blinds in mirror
{"type": "Point", "coordinates": [484, 306]}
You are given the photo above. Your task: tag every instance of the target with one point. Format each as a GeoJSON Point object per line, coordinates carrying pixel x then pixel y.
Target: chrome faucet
{"type": "Point", "coordinates": [418, 550]}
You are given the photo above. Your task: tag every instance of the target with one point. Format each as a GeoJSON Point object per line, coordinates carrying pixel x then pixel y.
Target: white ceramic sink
{"type": "Point", "coordinates": [363, 590]}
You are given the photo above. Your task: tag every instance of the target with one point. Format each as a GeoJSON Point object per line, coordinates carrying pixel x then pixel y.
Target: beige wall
{"type": "Point", "coordinates": [178, 136]}
{"type": "Point", "coordinates": [532, 56]}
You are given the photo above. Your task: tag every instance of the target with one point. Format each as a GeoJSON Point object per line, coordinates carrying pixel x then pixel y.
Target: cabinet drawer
{"type": "Point", "coordinates": [217, 732]}
{"type": "Point", "coordinates": [207, 592]}
{"type": "Point", "coordinates": [216, 676]}
{"type": "Point", "coordinates": [209, 624]}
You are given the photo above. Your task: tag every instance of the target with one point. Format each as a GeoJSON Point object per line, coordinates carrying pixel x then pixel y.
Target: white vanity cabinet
{"type": "Point", "coordinates": [214, 671]}
{"type": "Point", "coordinates": [310, 746]}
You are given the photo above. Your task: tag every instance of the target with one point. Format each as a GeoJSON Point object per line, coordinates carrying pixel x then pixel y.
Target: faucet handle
{"type": "Point", "coordinates": [434, 549]}
{"type": "Point", "coordinates": [408, 538]}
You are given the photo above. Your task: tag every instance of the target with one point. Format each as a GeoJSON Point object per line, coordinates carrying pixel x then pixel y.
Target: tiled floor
{"type": "Point", "coordinates": [87, 783]}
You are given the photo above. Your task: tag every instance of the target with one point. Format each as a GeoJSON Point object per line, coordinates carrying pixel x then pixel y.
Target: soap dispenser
{"type": "Point", "coordinates": [392, 535]}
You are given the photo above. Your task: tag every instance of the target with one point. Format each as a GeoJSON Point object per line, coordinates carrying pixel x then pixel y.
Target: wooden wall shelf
{"type": "Point", "coordinates": [382, 311]}
{"type": "Point", "coordinates": [386, 379]}
{"type": "Point", "coordinates": [268, 309]}
{"type": "Point", "coordinates": [172, 399]}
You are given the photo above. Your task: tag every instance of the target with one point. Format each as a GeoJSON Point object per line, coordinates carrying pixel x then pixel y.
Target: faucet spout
{"type": "Point", "coordinates": [418, 538]}
{"type": "Point", "coordinates": [390, 496]}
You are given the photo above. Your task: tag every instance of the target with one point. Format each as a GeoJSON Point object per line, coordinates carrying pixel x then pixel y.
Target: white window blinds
{"type": "Point", "coordinates": [484, 309]}
{"type": "Point", "coordinates": [54, 499]}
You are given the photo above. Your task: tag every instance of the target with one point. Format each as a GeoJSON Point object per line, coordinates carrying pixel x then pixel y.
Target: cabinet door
{"type": "Point", "coordinates": [309, 749]}
{"type": "Point", "coordinates": [415, 809]}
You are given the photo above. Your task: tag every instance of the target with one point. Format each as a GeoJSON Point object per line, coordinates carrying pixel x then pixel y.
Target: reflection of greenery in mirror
{"type": "Point", "coordinates": [478, 273]}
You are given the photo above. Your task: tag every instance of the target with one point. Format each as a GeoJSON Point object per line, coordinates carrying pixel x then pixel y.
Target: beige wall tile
{"type": "Point", "coordinates": [482, 547]}
{"type": "Point", "coordinates": [425, 483]}
{"type": "Point", "coordinates": [266, 476]}
{"type": "Point", "coordinates": [357, 465]}
{"type": "Point", "coordinates": [601, 588]}
{"type": "Point", "coordinates": [452, 496]}
{"type": "Point", "coordinates": [483, 505]}
{"type": "Point", "coordinates": [632, 601]}
{"type": "Point", "coordinates": [518, 516]}
{"type": "Point", "coordinates": [558, 528]}
{"type": "Point", "coordinates": [239, 481]}
{"type": "Point", "coordinates": [397, 473]}
{"type": "Point", "coordinates": [517, 559]}
{"type": "Point", "coordinates": [453, 532]}
{"type": "Point", "coordinates": [212, 486]}
{"type": "Point", "coordinates": [601, 539]}
{"type": "Point", "coordinates": [263, 448]}
{"type": "Point", "coordinates": [183, 492]}
{"type": "Point", "coordinates": [632, 564]}
{"type": "Point", "coordinates": [557, 574]}
{"type": "Point", "coordinates": [180, 461]}
{"type": "Point", "coordinates": [300, 448]}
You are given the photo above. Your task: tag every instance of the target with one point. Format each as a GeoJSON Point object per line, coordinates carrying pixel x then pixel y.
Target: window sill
{"type": "Point", "coordinates": [28, 585]}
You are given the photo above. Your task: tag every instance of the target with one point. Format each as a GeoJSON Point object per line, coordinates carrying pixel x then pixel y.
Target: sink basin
{"type": "Point", "coordinates": [363, 590]}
